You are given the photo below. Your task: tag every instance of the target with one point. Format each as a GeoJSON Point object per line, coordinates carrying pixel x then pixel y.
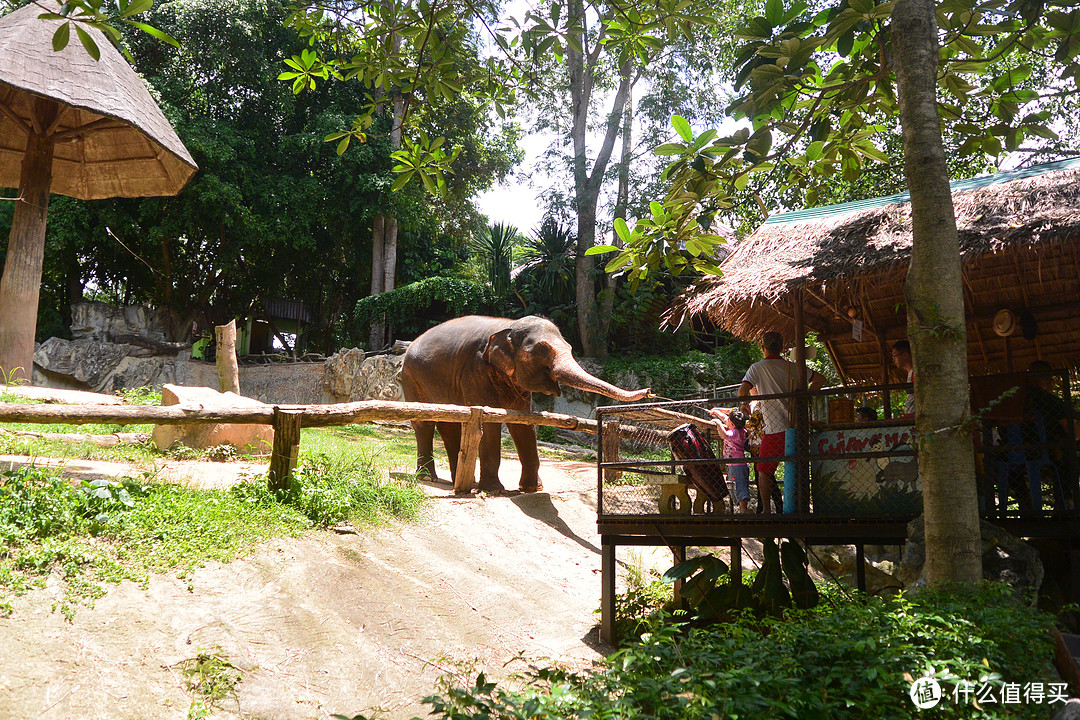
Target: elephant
{"type": "Point", "coordinates": [497, 362]}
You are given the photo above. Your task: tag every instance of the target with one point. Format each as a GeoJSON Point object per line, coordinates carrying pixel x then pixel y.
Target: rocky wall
{"type": "Point", "coordinates": [107, 367]}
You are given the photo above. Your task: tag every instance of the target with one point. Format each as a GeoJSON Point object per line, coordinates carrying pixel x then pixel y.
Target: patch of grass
{"type": "Point", "coordinates": [388, 446]}
{"type": "Point", "coordinates": [91, 533]}
{"type": "Point", "coordinates": [329, 489]}
{"type": "Point", "coordinates": [142, 455]}
{"type": "Point", "coordinates": [140, 396]}
{"type": "Point", "coordinates": [211, 679]}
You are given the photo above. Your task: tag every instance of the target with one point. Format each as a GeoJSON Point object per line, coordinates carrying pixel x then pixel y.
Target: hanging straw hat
{"type": "Point", "coordinates": [1004, 322]}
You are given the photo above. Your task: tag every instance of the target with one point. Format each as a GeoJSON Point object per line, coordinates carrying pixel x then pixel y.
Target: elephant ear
{"type": "Point", "coordinates": [499, 353]}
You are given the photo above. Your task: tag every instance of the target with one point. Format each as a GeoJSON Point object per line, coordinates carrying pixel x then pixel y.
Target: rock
{"type": "Point", "coordinates": [136, 372]}
{"type": "Point", "coordinates": [101, 321]}
{"type": "Point", "coordinates": [1005, 559]}
{"type": "Point", "coordinates": [256, 439]}
{"type": "Point", "coordinates": [88, 362]}
{"type": "Point", "coordinates": [350, 376]}
{"type": "Point", "coordinates": [838, 562]}
{"type": "Point", "coordinates": [1070, 711]}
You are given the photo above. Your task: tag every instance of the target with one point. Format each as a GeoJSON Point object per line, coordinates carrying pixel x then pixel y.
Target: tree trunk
{"type": "Point", "coordinates": [588, 182]}
{"type": "Point", "coordinates": [20, 286]}
{"type": "Point", "coordinates": [378, 231]}
{"type": "Point", "coordinates": [227, 369]}
{"type": "Point", "coordinates": [935, 310]}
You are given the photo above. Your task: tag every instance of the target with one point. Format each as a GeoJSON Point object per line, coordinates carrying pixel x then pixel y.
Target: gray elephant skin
{"type": "Point", "coordinates": [497, 362]}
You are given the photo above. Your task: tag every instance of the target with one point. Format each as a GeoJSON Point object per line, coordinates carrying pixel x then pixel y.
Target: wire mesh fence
{"type": "Point", "coordinates": [847, 452]}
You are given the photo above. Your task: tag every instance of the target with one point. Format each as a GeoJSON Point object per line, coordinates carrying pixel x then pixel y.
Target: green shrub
{"type": "Point", "coordinates": [849, 660]}
{"type": "Point", "coordinates": [408, 308]}
{"type": "Point", "coordinates": [47, 522]}
{"type": "Point", "coordinates": [330, 489]}
{"type": "Point", "coordinates": [675, 376]}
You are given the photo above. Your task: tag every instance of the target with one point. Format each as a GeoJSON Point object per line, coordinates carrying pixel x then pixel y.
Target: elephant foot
{"type": "Point", "coordinates": [490, 486]}
{"type": "Point", "coordinates": [531, 488]}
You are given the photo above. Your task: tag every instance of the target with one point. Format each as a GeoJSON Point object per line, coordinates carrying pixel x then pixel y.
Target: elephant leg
{"type": "Point", "coordinates": [491, 457]}
{"type": "Point", "coordinates": [525, 441]}
{"type": "Point", "coordinates": [425, 451]}
{"type": "Point", "coordinates": [450, 432]}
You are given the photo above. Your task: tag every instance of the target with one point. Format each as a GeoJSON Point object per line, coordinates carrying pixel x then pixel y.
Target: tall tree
{"type": "Point", "coordinates": [819, 87]}
{"type": "Point", "coordinates": [935, 309]}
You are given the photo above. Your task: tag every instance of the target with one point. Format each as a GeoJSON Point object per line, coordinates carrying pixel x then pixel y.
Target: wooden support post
{"type": "Point", "coordinates": [610, 435]}
{"type": "Point", "coordinates": [286, 447]}
{"type": "Point", "coordinates": [470, 451]}
{"type": "Point", "coordinates": [227, 368]}
{"type": "Point", "coordinates": [607, 591]}
{"type": "Point", "coordinates": [735, 566]}
{"type": "Point", "coordinates": [860, 567]}
{"type": "Point", "coordinates": [802, 411]}
{"type": "Point", "coordinates": [886, 396]}
{"type": "Point", "coordinates": [678, 555]}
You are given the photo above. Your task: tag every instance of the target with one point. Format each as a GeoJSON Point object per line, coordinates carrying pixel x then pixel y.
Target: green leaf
{"type": "Point", "coordinates": [402, 180]}
{"type": "Point", "coordinates": [601, 249]}
{"type": "Point", "coordinates": [622, 230]}
{"type": "Point", "coordinates": [682, 127]}
{"type": "Point", "coordinates": [669, 149]}
{"type": "Point", "coordinates": [154, 32]}
{"type": "Point", "coordinates": [88, 43]}
{"type": "Point", "coordinates": [344, 144]}
{"type": "Point", "coordinates": [137, 7]}
{"type": "Point", "coordinates": [61, 36]}
{"type": "Point", "coordinates": [774, 12]}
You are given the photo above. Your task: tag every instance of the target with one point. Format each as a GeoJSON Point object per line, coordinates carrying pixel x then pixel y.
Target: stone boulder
{"type": "Point", "coordinates": [1005, 558]}
{"type": "Point", "coordinates": [101, 321]}
{"type": "Point", "coordinates": [86, 364]}
{"type": "Point", "coordinates": [351, 375]}
{"type": "Point", "coordinates": [254, 439]}
{"type": "Point", "coordinates": [838, 562]}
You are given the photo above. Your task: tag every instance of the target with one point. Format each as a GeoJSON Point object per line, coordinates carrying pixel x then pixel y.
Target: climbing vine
{"type": "Point", "coordinates": [412, 304]}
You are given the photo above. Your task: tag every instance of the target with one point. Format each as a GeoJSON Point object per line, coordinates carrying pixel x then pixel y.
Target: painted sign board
{"type": "Point", "coordinates": [864, 486]}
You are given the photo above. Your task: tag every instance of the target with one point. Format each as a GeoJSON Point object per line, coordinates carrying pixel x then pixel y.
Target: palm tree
{"type": "Point", "coordinates": [494, 251]}
{"type": "Point", "coordinates": [547, 279]}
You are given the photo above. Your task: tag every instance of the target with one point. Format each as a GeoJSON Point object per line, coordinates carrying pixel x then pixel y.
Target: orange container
{"type": "Point", "coordinates": [841, 410]}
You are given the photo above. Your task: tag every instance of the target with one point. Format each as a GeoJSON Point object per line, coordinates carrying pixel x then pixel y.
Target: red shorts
{"type": "Point", "coordinates": [772, 445]}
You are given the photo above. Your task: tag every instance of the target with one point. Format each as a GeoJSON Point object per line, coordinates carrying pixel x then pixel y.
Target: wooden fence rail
{"type": "Point", "coordinates": [283, 419]}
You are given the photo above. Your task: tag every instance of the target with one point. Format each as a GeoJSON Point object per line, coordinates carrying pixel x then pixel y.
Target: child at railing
{"type": "Point", "coordinates": [733, 423]}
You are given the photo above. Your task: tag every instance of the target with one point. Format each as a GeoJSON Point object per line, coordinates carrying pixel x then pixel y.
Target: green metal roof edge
{"type": "Point", "coordinates": [974, 183]}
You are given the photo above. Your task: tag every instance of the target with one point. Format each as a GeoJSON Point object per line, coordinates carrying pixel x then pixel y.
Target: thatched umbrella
{"type": "Point", "coordinates": [843, 268]}
{"type": "Point", "coordinates": [73, 126]}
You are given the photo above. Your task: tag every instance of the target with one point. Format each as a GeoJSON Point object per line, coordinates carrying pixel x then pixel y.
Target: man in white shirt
{"type": "Point", "coordinates": [771, 376]}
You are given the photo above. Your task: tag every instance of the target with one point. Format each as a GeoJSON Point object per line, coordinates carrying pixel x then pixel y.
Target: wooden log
{"type": "Point", "coordinates": [286, 447]}
{"type": "Point", "coordinates": [56, 395]}
{"type": "Point", "coordinates": [610, 439]}
{"type": "Point", "coordinates": [228, 370]}
{"type": "Point", "coordinates": [470, 451]}
{"type": "Point", "coordinates": [314, 415]}
{"type": "Point", "coordinates": [99, 440]}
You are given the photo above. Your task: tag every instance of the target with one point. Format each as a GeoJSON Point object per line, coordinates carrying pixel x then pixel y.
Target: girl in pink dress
{"type": "Point", "coordinates": [733, 423]}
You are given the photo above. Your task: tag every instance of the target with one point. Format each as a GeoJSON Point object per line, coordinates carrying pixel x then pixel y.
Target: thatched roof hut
{"type": "Point", "coordinates": [112, 140]}
{"type": "Point", "coordinates": [1020, 243]}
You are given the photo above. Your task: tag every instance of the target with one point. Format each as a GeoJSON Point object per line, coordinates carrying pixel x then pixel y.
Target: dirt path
{"type": "Point", "coordinates": [329, 623]}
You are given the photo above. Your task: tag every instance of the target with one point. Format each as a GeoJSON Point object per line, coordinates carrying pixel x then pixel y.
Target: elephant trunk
{"type": "Point", "coordinates": [567, 370]}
